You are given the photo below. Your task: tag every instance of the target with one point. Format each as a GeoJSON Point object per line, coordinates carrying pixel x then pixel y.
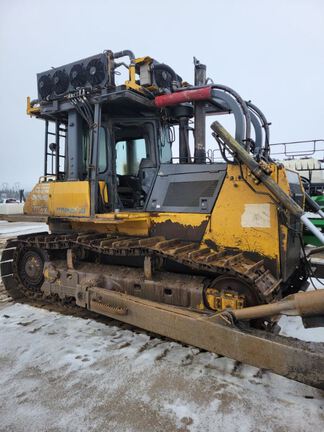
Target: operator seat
{"type": "Point", "coordinates": [132, 190]}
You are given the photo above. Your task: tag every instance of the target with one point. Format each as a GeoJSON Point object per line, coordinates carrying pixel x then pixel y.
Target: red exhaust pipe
{"type": "Point", "coordinates": [176, 98]}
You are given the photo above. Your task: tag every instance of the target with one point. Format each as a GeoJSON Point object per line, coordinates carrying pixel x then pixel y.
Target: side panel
{"type": "Point", "coordinates": [60, 199]}
{"type": "Point", "coordinates": [70, 199]}
{"type": "Point", "coordinates": [186, 188]}
{"type": "Point", "coordinates": [245, 217]}
{"type": "Point", "coordinates": [37, 202]}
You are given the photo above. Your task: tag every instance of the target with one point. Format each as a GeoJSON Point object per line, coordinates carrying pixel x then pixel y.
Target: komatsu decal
{"type": "Point", "coordinates": [71, 210]}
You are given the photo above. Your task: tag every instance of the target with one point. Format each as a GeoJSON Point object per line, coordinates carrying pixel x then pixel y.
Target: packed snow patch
{"type": "Point", "coordinates": [65, 373]}
{"type": "Point", "coordinates": [62, 373]}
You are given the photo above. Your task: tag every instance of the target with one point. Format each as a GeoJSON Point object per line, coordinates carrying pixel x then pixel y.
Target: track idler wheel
{"type": "Point", "coordinates": [29, 267]}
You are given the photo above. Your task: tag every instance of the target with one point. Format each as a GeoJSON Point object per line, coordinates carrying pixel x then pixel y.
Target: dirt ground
{"type": "Point", "coordinates": [67, 373]}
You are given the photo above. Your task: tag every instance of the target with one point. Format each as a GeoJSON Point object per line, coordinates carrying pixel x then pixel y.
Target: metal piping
{"type": "Point", "coordinates": [312, 228]}
{"type": "Point", "coordinates": [258, 134]}
{"type": "Point", "coordinates": [244, 109]}
{"type": "Point", "coordinates": [199, 93]}
{"type": "Point", "coordinates": [189, 95]}
{"type": "Point", "coordinates": [236, 111]}
{"type": "Point", "coordinates": [124, 53]}
{"type": "Point", "coordinates": [265, 126]}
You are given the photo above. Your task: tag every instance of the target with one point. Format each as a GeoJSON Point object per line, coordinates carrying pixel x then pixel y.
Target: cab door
{"type": "Point", "coordinates": [134, 163]}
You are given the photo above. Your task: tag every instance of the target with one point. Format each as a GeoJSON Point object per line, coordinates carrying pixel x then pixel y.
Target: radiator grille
{"type": "Point", "coordinates": [187, 194]}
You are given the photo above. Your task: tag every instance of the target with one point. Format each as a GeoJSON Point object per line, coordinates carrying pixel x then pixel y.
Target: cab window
{"type": "Point", "coordinates": [129, 154]}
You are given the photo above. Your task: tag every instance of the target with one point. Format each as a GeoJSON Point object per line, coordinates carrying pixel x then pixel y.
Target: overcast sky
{"type": "Point", "coordinates": [271, 52]}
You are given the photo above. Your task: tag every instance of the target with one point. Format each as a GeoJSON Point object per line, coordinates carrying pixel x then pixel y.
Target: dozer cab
{"type": "Point", "coordinates": [145, 227]}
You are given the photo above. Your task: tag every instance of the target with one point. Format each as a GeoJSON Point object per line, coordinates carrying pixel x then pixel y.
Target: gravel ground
{"type": "Point", "coordinates": [67, 373]}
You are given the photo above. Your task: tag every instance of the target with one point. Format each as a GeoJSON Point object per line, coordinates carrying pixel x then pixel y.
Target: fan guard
{"type": "Point", "coordinates": [45, 86]}
{"type": "Point", "coordinates": [96, 72]}
{"type": "Point", "coordinates": [60, 82]}
{"type": "Point", "coordinates": [78, 76]}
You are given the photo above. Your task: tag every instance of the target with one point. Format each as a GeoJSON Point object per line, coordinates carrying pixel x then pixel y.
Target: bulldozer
{"type": "Point", "coordinates": [145, 228]}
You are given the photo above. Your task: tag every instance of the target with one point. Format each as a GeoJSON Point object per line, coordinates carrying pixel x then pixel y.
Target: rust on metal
{"type": "Point", "coordinates": [297, 360]}
{"type": "Point", "coordinates": [173, 230]}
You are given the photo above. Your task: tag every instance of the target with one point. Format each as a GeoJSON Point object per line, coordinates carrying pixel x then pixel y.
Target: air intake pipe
{"type": "Point", "coordinates": [124, 53]}
{"type": "Point", "coordinates": [212, 93]}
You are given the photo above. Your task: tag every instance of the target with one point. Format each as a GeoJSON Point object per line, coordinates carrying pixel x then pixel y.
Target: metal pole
{"type": "Point", "coordinates": [57, 149]}
{"type": "Point", "coordinates": [184, 140]}
{"type": "Point", "coordinates": [74, 145]}
{"type": "Point", "coordinates": [94, 143]}
{"type": "Point", "coordinates": [46, 147]}
{"type": "Point", "coordinates": [317, 233]}
{"type": "Point", "coordinates": [199, 114]}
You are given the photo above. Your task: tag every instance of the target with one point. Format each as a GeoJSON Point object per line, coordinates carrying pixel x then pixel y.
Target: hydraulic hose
{"type": "Point", "coordinates": [265, 125]}
{"type": "Point", "coordinates": [244, 109]}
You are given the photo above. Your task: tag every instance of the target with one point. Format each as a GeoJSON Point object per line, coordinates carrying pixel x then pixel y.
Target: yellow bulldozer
{"type": "Point", "coordinates": [146, 228]}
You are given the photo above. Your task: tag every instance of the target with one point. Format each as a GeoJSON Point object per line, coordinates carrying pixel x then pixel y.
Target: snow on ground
{"type": "Point", "coordinates": [63, 373]}
{"type": "Point", "coordinates": [66, 373]}
{"type": "Point", "coordinates": [10, 229]}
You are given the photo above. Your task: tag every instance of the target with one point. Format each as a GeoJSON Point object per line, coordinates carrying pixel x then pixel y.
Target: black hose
{"type": "Point", "coordinates": [165, 67]}
{"type": "Point", "coordinates": [243, 106]}
{"type": "Point", "coordinates": [265, 126]}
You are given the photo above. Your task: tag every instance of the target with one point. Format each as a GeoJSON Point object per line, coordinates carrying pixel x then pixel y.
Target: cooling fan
{"type": "Point", "coordinates": [96, 72]}
{"type": "Point", "coordinates": [164, 76]}
{"type": "Point", "coordinates": [91, 73]}
{"type": "Point", "coordinates": [45, 86]}
{"type": "Point", "coordinates": [78, 76]}
{"type": "Point", "coordinates": [60, 82]}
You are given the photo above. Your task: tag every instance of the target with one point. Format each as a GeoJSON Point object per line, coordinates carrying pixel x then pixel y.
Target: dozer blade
{"type": "Point", "coordinates": [289, 357]}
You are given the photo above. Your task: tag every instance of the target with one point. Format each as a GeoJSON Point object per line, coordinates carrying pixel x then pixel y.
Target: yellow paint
{"type": "Point", "coordinates": [225, 227]}
{"type": "Point", "coordinates": [146, 59]}
{"type": "Point", "coordinates": [223, 300]}
{"type": "Point", "coordinates": [133, 69]}
{"type": "Point", "coordinates": [59, 199]}
{"type": "Point", "coordinates": [37, 202]}
{"type": "Point", "coordinates": [131, 82]}
{"type": "Point", "coordinates": [137, 223]}
{"type": "Point", "coordinates": [103, 187]}
{"type": "Point", "coordinates": [234, 222]}
{"type": "Point", "coordinates": [31, 110]}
